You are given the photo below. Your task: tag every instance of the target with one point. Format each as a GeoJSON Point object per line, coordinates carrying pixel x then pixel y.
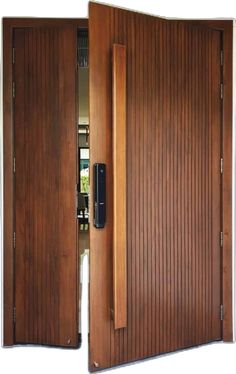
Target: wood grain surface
{"type": "Point", "coordinates": [119, 186]}
{"type": "Point", "coordinates": [45, 186]}
{"type": "Point", "coordinates": [174, 216]}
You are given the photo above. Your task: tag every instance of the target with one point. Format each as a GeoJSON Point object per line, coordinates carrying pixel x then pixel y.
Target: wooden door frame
{"type": "Point", "coordinates": [226, 26]}
{"type": "Point", "coordinates": [9, 24]}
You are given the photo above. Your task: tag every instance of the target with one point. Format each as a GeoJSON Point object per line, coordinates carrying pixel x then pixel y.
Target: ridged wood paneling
{"type": "Point", "coordinates": [173, 185]}
{"type": "Point", "coordinates": [45, 180]}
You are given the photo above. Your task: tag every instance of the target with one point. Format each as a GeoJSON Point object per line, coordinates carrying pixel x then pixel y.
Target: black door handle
{"type": "Point", "coordinates": [99, 172]}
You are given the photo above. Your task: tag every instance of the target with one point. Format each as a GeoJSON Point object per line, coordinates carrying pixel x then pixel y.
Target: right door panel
{"type": "Point", "coordinates": [173, 185]}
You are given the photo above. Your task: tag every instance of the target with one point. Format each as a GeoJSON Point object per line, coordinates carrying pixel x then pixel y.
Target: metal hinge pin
{"type": "Point", "coordinates": [221, 91]}
{"type": "Point", "coordinates": [222, 312]}
{"type": "Point", "coordinates": [221, 57]}
{"type": "Point", "coordinates": [13, 90]}
{"type": "Point", "coordinates": [221, 239]}
{"type": "Point", "coordinates": [13, 55]}
{"type": "Point", "coordinates": [14, 239]}
{"type": "Point", "coordinates": [221, 165]}
{"type": "Point", "coordinates": [14, 314]}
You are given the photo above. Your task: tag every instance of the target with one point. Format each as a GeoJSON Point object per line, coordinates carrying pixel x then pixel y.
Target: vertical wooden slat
{"type": "Point", "coordinates": [152, 257]}
{"type": "Point", "coordinates": [8, 185]}
{"type": "Point", "coordinates": [158, 181]}
{"type": "Point", "coordinates": [216, 181]}
{"type": "Point", "coordinates": [162, 190]}
{"type": "Point", "coordinates": [119, 186]}
{"type": "Point", "coordinates": [227, 281]}
{"type": "Point", "coordinates": [197, 182]}
{"type": "Point", "coordinates": [208, 192]}
{"type": "Point", "coordinates": [167, 205]}
{"type": "Point", "coordinates": [137, 337]}
{"type": "Point", "coordinates": [112, 354]}
{"type": "Point", "coordinates": [20, 194]}
{"type": "Point", "coordinates": [154, 318]}
{"type": "Point", "coordinates": [131, 187]}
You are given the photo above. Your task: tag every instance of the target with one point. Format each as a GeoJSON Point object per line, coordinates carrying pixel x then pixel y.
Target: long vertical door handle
{"type": "Point", "coordinates": [119, 186]}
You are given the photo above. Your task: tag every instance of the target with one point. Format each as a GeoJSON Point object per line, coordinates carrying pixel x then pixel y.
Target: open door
{"type": "Point", "coordinates": [45, 142]}
{"type": "Point", "coordinates": [155, 122]}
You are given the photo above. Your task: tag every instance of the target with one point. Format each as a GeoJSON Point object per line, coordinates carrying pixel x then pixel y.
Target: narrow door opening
{"type": "Point", "coordinates": [83, 190]}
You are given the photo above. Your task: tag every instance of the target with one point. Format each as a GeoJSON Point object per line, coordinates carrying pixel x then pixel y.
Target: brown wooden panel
{"type": "Point", "coordinates": [100, 267]}
{"type": "Point", "coordinates": [173, 185]}
{"type": "Point", "coordinates": [226, 27]}
{"type": "Point", "coordinates": [11, 22]}
{"type": "Point", "coordinates": [227, 192]}
{"type": "Point", "coordinates": [45, 180]}
{"type": "Point", "coordinates": [8, 187]}
{"type": "Point", "coordinates": [119, 186]}
{"type": "Point", "coordinates": [8, 27]}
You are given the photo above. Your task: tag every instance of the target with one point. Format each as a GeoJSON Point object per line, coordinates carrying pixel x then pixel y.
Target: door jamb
{"type": "Point", "coordinates": [226, 27]}
{"type": "Point", "coordinates": [227, 256]}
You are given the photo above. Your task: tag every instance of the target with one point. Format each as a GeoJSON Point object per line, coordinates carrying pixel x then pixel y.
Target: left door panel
{"type": "Point", "coordinates": [44, 75]}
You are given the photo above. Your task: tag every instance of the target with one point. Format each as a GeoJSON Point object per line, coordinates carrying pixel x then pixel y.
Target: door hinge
{"type": "Point", "coordinates": [221, 90]}
{"type": "Point", "coordinates": [14, 239]}
{"type": "Point", "coordinates": [14, 314]}
{"type": "Point", "coordinates": [13, 90]}
{"type": "Point", "coordinates": [14, 165]}
{"type": "Point", "coordinates": [221, 238]}
{"type": "Point", "coordinates": [13, 55]}
{"type": "Point", "coordinates": [112, 314]}
{"type": "Point", "coordinates": [222, 312]}
{"type": "Point", "coordinates": [76, 200]}
{"type": "Point", "coordinates": [221, 165]}
{"type": "Point", "coordinates": [222, 57]}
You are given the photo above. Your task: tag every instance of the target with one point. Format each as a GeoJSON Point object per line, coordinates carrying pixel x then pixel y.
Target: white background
{"type": "Point", "coordinates": [214, 358]}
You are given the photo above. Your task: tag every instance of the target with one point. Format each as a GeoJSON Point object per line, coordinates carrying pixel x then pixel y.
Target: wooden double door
{"type": "Point", "coordinates": [155, 281]}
